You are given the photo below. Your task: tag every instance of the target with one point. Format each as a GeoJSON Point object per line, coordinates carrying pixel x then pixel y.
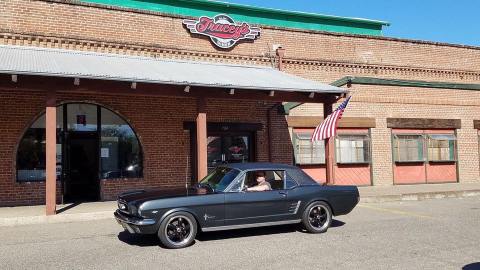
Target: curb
{"type": "Point", "coordinates": [61, 218]}
{"type": "Point", "coordinates": [420, 196]}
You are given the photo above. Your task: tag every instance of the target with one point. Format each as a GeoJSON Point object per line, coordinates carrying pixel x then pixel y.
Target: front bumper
{"type": "Point", "coordinates": [135, 224]}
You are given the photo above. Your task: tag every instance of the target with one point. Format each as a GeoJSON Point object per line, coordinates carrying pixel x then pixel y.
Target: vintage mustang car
{"type": "Point", "coordinates": [222, 201]}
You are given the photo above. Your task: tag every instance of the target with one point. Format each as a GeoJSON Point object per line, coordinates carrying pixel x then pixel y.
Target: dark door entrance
{"type": "Point", "coordinates": [229, 148]}
{"type": "Point", "coordinates": [226, 143]}
{"type": "Point", "coordinates": [81, 181]}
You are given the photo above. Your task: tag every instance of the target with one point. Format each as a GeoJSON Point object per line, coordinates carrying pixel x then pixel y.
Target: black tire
{"type": "Point", "coordinates": [178, 230]}
{"type": "Point", "coordinates": [317, 217]}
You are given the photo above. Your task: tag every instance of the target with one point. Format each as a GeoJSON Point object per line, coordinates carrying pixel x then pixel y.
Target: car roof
{"type": "Point", "coordinates": [296, 173]}
{"type": "Point", "coordinates": [259, 166]}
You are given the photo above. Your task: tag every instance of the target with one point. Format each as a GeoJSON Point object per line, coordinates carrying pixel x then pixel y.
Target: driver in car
{"type": "Point", "coordinates": [262, 184]}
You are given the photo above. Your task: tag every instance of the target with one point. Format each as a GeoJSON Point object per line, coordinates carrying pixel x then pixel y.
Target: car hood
{"type": "Point", "coordinates": [146, 195]}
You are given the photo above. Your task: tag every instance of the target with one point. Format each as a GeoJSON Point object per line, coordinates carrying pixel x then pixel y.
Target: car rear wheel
{"type": "Point", "coordinates": [178, 230]}
{"type": "Point", "coordinates": [317, 217]}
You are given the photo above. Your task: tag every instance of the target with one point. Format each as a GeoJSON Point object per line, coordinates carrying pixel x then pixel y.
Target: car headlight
{"type": "Point", "coordinates": [122, 206]}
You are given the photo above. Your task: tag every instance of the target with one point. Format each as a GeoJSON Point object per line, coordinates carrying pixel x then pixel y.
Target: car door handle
{"type": "Point", "coordinates": [283, 193]}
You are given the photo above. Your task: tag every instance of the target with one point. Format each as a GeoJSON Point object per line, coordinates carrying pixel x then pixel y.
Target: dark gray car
{"type": "Point", "coordinates": [221, 202]}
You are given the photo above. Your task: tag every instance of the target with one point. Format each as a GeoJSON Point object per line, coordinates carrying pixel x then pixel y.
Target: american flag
{"type": "Point", "coordinates": [328, 128]}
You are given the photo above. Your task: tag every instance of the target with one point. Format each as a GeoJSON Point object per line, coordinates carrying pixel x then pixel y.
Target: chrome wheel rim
{"type": "Point", "coordinates": [318, 217]}
{"type": "Point", "coordinates": [179, 230]}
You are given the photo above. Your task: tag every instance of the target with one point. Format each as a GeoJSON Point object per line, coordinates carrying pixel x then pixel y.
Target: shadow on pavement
{"type": "Point", "coordinates": [337, 223]}
{"type": "Point", "coordinates": [152, 240]}
{"type": "Point", "coordinates": [472, 266]}
{"type": "Point", "coordinates": [257, 231]}
{"type": "Point", "coordinates": [240, 233]}
{"type": "Point", "coordinates": [139, 239]}
{"type": "Point", "coordinates": [70, 206]}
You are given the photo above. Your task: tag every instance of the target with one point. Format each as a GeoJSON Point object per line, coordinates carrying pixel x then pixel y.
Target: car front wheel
{"type": "Point", "coordinates": [317, 217]}
{"type": "Point", "coordinates": [178, 230]}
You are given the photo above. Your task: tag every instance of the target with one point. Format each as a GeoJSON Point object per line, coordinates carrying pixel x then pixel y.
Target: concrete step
{"type": "Point", "coordinates": [377, 194]}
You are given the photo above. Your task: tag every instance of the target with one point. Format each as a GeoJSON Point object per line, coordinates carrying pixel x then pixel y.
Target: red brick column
{"type": "Point", "coordinates": [201, 139]}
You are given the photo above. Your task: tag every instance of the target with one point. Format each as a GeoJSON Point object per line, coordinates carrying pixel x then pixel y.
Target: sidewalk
{"type": "Point", "coordinates": [25, 215]}
{"type": "Point", "coordinates": [417, 192]}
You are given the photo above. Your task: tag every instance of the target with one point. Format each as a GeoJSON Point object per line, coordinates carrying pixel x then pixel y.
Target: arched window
{"type": "Point", "coordinates": [115, 151]}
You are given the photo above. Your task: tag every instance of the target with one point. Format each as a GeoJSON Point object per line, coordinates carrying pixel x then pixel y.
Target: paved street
{"type": "Point", "coordinates": [433, 234]}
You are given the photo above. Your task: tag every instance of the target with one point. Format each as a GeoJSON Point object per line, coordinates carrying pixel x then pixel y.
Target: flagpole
{"type": "Point", "coordinates": [329, 145]}
{"type": "Point", "coordinates": [326, 131]}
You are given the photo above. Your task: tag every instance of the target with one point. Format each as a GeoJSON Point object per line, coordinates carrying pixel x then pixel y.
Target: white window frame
{"type": "Point", "coordinates": [395, 148]}
{"type": "Point", "coordinates": [450, 138]}
{"type": "Point", "coordinates": [367, 145]}
{"type": "Point", "coordinates": [316, 157]}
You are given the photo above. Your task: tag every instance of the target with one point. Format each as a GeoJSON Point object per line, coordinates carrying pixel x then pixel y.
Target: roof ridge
{"type": "Point", "coordinates": [128, 56]}
{"type": "Point", "coordinates": [57, 62]}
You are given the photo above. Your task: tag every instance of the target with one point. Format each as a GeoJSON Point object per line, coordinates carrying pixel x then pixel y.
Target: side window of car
{"type": "Point", "coordinates": [290, 183]}
{"type": "Point", "coordinates": [275, 179]}
{"type": "Point", "coordinates": [238, 184]}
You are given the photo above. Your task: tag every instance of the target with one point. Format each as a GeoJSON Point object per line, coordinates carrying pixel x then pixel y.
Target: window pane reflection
{"type": "Point", "coordinates": [31, 150]}
{"type": "Point", "coordinates": [120, 151]}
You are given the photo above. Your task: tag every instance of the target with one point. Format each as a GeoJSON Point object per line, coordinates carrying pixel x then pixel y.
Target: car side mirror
{"type": "Point", "coordinates": [244, 189]}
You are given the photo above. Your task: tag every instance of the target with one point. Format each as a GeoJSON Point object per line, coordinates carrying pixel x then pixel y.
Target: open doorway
{"type": "Point", "coordinates": [81, 181]}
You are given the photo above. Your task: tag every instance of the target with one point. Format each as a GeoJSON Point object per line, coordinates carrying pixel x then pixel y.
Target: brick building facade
{"type": "Point", "coordinates": [422, 80]}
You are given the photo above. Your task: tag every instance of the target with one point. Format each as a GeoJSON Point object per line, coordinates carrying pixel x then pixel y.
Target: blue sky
{"type": "Point", "coordinates": [435, 20]}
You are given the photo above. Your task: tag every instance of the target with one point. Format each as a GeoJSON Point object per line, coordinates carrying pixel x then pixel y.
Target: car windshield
{"type": "Point", "coordinates": [220, 178]}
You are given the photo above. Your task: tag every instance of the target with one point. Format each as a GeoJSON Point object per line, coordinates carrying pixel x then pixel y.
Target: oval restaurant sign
{"type": "Point", "coordinates": [222, 30]}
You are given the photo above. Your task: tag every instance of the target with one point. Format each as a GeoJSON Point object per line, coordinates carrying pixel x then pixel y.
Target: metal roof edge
{"type": "Point", "coordinates": [310, 86]}
{"type": "Point", "coordinates": [263, 15]}
{"type": "Point", "coordinates": [15, 72]}
{"type": "Point", "coordinates": [291, 105]}
{"type": "Point", "coordinates": [287, 12]}
{"type": "Point", "coordinates": [412, 83]}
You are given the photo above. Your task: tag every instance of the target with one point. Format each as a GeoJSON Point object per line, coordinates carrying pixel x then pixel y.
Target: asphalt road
{"type": "Point", "coordinates": [434, 234]}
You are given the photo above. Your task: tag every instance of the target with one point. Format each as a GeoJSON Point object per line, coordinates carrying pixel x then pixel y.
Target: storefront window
{"type": "Point", "coordinates": [408, 148]}
{"type": "Point", "coordinates": [31, 150]}
{"type": "Point", "coordinates": [441, 147]}
{"type": "Point", "coordinates": [306, 151]}
{"type": "Point", "coordinates": [120, 151]}
{"type": "Point", "coordinates": [352, 149]}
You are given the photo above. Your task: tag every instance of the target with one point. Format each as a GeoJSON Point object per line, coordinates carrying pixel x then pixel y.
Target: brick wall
{"type": "Point", "coordinates": [158, 122]}
{"type": "Point", "coordinates": [382, 102]}
{"type": "Point", "coordinates": [16, 118]}
{"type": "Point", "coordinates": [55, 23]}
{"type": "Point", "coordinates": [315, 55]}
